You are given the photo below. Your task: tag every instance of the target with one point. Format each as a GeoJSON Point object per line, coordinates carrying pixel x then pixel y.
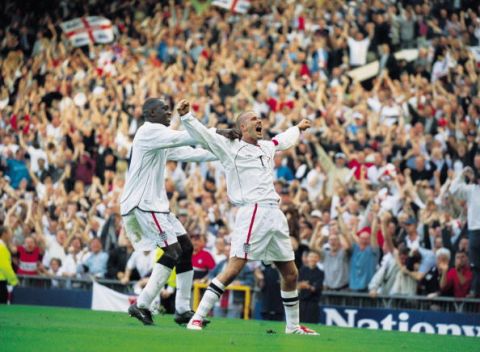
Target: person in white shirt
{"type": "Point", "coordinates": [358, 49]}
{"type": "Point", "coordinates": [76, 254]}
{"type": "Point", "coordinates": [142, 262]}
{"type": "Point", "coordinates": [471, 194]}
{"type": "Point", "coordinates": [146, 212]}
{"type": "Point", "coordinates": [54, 247]}
{"type": "Point", "coordinates": [261, 229]}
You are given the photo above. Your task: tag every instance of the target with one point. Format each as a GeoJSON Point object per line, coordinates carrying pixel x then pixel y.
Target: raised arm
{"type": "Point", "coordinates": [190, 154]}
{"type": "Point", "coordinates": [290, 137]}
{"type": "Point", "coordinates": [160, 137]}
{"type": "Point", "coordinates": [458, 187]}
{"type": "Point", "coordinates": [214, 142]}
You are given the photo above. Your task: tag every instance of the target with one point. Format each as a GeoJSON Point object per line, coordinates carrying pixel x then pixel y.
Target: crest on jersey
{"type": "Point", "coordinates": [163, 236]}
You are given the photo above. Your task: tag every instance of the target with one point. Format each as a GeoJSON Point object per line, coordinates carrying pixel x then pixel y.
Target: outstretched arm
{"type": "Point", "coordinates": [458, 187]}
{"type": "Point", "coordinates": [159, 137]}
{"type": "Point", "coordinates": [190, 154]}
{"type": "Point", "coordinates": [289, 138]}
{"type": "Point", "coordinates": [214, 142]}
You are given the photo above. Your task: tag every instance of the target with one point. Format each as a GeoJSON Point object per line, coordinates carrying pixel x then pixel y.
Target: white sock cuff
{"type": "Point", "coordinates": [217, 283]}
{"type": "Point", "coordinates": [289, 294]}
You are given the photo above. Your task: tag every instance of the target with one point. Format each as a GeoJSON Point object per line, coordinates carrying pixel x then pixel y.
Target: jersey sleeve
{"type": "Point", "coordinates": [190, 154]}
{"type": "Point", "coordinates": [287, 139]}
{"type": "Point", "coordinates": [460, 189]}
{"type": "Point", "coordinates": [214, 142]}
{"type": "Point", "coordinates": [158, 137]}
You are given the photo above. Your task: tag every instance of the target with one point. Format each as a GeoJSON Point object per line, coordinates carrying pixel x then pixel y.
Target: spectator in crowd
{"type": "Point", "coordinates": [75, 256]}
{"type": "Point", "coordinates": [54, 270]}
{"type": "Point", "coordinates": [430, 284]}
{"type": "Point", "coordinates": [139, 266]}
{"type": "Point", "coordinates": [95, 262]}
{"type": "Point", "coordinates": [202, 260]}
{"type": "Point", "coordinates": [471, 194]}
{"type": "Point", "coordinates": [310, 284]}
{"type": "Point", "coordinates": [29, 257]}
{"type": "Point", "coordinates": [219, 254]}
{"type": "Point", "coordinates": [336, 260]}
{"type": "Point", "coordinates": [406, 277]}
{"type": "Point", "coordinates": [364, 259]}
{"type": "Point", "coordinates": [54, 247]}
{"type": "Point", "coordinates": [384, 279]}
{"type": "Point", "coordinates": [117, 260]}
{"type": "Point", "coordinates": [399, 136]}
{"type": "Point", "coordinates": [268, 280]}
{"type": "Point", "coordinates": [456, 281]}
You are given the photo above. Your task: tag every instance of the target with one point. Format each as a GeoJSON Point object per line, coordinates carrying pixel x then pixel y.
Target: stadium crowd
{"type": "Point", "coordinates": [375, 193]}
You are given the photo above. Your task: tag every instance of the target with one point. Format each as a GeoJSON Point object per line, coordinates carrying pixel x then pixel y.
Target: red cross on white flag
{"type": "Point", "coordinates": [81, 31]}
{"type": "Point", "coordinates": [239, 6]}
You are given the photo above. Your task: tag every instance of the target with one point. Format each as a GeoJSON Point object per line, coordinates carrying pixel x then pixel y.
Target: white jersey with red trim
{"type": "Point", "coordinates": [152, 146]}
{"type": "Point", "coordinates": [249, 168]}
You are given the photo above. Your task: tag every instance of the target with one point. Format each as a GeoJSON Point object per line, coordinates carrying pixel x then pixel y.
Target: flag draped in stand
{"type": "Point", "coordinates": [238, 6]}
{"type": "Point", "coordinates": [92, 29]}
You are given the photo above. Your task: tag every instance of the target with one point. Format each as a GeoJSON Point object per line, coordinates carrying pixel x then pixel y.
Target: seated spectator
{"type": "Point", "coordinates": [95, 262]}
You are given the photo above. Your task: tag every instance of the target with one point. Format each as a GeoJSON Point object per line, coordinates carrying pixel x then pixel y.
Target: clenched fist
{"type": "Point", "coordinates": [183, 107]}
{"type": "Point", "coordinates": [304, 124]}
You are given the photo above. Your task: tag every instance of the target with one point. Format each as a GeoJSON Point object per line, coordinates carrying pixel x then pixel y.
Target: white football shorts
{"type": "Point", "coordinates": [261, 233]}
{"type": "Point", "coordinates": [149, 230]}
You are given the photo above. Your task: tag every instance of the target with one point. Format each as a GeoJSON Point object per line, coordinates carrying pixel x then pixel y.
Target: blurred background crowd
{"type": "Point", "coordinates": [374, 192]}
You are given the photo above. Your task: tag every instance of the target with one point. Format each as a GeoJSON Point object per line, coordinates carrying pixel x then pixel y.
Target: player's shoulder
{"type": "Point", "coordinates": [267, 143]}
{"type": "Point", "coordinates": [147, 128]}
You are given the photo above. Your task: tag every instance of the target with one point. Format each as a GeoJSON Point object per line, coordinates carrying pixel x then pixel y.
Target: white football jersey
{"type": "Point", "coordinates": [249, 168]}
{"type": "Point", "coordinates": [152, 146]}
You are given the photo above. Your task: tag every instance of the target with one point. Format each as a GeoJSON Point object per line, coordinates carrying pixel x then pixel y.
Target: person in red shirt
{"type": "Point", "coordinates": [29, 257]}
{"type": "Point", "coordinates": [458, 280]}
{"type": "Point", "coordinates": [202, 261]}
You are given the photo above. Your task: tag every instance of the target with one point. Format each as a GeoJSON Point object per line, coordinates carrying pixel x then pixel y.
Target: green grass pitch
{"type": "Point", "coordinates": [31, 328]}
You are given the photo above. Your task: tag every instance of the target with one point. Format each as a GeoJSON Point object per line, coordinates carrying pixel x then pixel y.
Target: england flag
{"type": "Point", "coordinates": [238, 6]}
{"type": "Point", "coordinates": [84, 30]}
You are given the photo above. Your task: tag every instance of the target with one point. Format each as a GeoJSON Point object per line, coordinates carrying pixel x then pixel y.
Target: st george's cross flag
{"type": "Point", "coordinates": [239, 6]}
{"type": "Point", "coordinates": [92, 29]}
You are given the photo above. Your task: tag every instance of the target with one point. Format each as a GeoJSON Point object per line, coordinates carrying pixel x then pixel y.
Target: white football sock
{"type": "Point", "coordinates": [184, 291]}
{"type": "Point", "coordinates": [157, 280]}
{"type": "Point", "coordinates": [292, 308]}
{"type": "Point", "coordinates": [210, 297]}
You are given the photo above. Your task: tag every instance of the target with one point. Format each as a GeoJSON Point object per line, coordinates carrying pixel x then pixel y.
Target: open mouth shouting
{"type": "Point", "coordinates": [258, 129]}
